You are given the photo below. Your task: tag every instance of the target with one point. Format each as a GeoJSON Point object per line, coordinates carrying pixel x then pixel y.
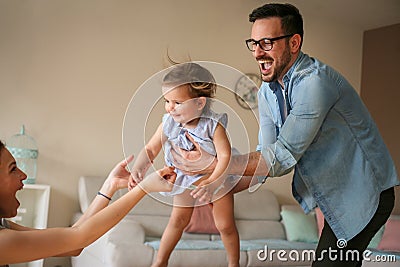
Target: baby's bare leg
{"type": "Point", "coordinates": [180, 217]}
{"type": "Point", "coordinates": [225, 222]}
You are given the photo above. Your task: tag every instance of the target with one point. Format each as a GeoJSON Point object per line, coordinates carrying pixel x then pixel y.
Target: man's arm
{"type": "Point", "coordinates": [248, 165]}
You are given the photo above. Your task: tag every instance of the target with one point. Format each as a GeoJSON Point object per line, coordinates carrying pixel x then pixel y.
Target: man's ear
{"type": "Point", "coordinates": [201, 102]}
{"type": "Point", "coordinates": [294, 43]}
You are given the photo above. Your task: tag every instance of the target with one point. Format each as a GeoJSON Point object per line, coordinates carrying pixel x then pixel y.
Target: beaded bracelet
{"type": "Point", "coordinates": [101, 194]}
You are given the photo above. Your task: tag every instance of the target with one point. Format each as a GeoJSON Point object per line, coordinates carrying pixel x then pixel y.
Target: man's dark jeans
{"type": "Point", "coordinates": [328, 240]}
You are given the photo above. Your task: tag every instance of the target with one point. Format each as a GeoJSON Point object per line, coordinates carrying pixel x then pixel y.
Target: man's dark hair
{"type": "Point", "coordinates": [291, 19]}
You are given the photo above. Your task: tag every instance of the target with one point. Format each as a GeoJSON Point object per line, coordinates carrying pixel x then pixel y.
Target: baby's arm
{"type": "Point", "coordinates": [146, 156]}
{"type": "Point", "coordinates": [223, 149]}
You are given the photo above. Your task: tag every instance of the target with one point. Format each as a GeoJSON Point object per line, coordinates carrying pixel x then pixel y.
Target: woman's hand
{"type": "Point", "coordinates": [118, 178]}
{"type": "Point", "coordinates": [159, 181]}
{"type": "Point", "coordinates": [196, 161]}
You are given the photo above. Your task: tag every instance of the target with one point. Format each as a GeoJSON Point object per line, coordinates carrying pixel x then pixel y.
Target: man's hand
{"type": "Point", "coordinates": [196, 161]}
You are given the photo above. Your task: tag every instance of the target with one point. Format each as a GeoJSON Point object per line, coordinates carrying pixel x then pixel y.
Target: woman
{"type": "Point", "coordinates": [22, 244]}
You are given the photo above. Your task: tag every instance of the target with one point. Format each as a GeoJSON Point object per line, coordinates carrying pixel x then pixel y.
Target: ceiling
{"type": "Point", "coordinates": [366, 14]}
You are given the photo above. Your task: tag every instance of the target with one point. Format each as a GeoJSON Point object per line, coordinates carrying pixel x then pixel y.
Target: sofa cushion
{"type": "Point", "coordinates": [320, 220]}
{"type": "Point", "coordinates": [153, 204]}
{"type": "Point", "coordinates": [299, 226]}
{"type": "Point", "coordinates": [274, 244]}
{"type": "Point", "coordinates": [201, 257]}
{"type": "Point", "coordinates": [202, 221]}
{"type": "Point", "coordinates": [244, 244]}
{"type": "Point", "coordinates": [153, 225]}
{"type": "Point", "coordinates": [260, 229]}
{"type": "Point", "coordinates": [259, 205]}
{"type": "Point", "coordinates": [191, 245]}
{"type": "Point", "coordinates": [391, 235]}
{"type": "Point", "coordinates": [257, 215]}
{"type": "Point", "coordinates": [377, 238]}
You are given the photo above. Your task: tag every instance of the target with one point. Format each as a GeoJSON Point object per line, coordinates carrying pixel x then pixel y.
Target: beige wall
{"type": "Point", "coordinates": [68, 69]}
{"type": "Point", "coordinates": [380, 86]}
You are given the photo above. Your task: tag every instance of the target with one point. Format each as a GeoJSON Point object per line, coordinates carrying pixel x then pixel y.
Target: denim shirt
{"type": "Point", "coordinates": [340, 161]}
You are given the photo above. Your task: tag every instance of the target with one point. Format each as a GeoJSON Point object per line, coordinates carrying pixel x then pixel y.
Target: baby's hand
{"type": "Point", "coordinates": [131, 183]}
{"type": "Point", "coordinates": [204, 191]}
{"type": "Point", "coordinates": [135, 178]}
{"type": "Point", "coordinates": [204, 183]}
{"type": "Point", "coordinates": [159, 181]}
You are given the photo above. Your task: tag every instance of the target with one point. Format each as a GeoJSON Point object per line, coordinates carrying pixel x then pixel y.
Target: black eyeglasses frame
{"type": "Point", "coordinates": [250, 42]}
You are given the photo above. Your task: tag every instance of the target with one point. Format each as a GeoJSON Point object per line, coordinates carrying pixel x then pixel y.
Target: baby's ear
{"type": "Point", "coordinates": [201, 102]}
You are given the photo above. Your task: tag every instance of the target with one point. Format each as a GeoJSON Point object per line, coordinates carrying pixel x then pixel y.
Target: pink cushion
{"type": "Point", "coordinates": [320, 220]}
{"type": "Point", "coordinates": [202, 221]}
{"type": "Point", "coordinates": [391, 236]}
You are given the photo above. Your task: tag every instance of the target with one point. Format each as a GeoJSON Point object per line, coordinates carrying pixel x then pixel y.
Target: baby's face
{"type": "Point", "coordinates": [180, 105]}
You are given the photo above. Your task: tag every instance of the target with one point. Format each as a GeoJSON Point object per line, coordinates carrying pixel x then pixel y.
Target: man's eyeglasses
{"type": "Point", "coordinates": [265, 44]}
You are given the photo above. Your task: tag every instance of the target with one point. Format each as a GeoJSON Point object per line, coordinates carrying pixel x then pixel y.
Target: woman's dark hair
{"type": "Point", "coordinates": [2, 146]}
{"type": "Point", "coordinates": [200, 80]}
{"type": "Point", "coordinates": [291, 19]}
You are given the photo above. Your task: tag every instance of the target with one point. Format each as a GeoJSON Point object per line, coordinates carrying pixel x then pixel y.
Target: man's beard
{"type": "Point", "coordinates": [280, 67]}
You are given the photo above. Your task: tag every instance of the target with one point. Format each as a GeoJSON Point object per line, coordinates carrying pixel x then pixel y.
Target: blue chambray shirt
{"type": "Point", "coordinates": [341, 162]}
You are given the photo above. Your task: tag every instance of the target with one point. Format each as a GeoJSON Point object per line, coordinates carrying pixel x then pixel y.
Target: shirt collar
{"type": "Point", "coordinates": [286, 78]}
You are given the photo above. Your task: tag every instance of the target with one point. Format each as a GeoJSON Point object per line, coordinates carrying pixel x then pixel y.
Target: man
{"type": "Point", "coordinates": [313, 121]}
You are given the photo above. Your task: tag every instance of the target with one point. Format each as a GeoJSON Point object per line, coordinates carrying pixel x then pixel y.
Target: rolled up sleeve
{"type": "Point", "coordinates": [283, 147]}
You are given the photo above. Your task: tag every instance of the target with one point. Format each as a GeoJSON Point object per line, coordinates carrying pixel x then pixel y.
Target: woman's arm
{"type": "Point", "coordinates": [116, 180]}
{"type": "Point", "coordinates": [24, 246]}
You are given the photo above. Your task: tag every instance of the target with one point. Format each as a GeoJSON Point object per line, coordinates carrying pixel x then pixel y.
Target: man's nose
{"type": "Point", "coordinates": [258, 51]}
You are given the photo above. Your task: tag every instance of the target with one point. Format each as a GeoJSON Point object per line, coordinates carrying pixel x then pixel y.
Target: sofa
{"type": "Point", "coordinates": [271, 235]}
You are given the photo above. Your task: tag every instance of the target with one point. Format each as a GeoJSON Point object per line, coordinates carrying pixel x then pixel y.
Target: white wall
{"type": "Point", "coordinates": [68, 69]}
